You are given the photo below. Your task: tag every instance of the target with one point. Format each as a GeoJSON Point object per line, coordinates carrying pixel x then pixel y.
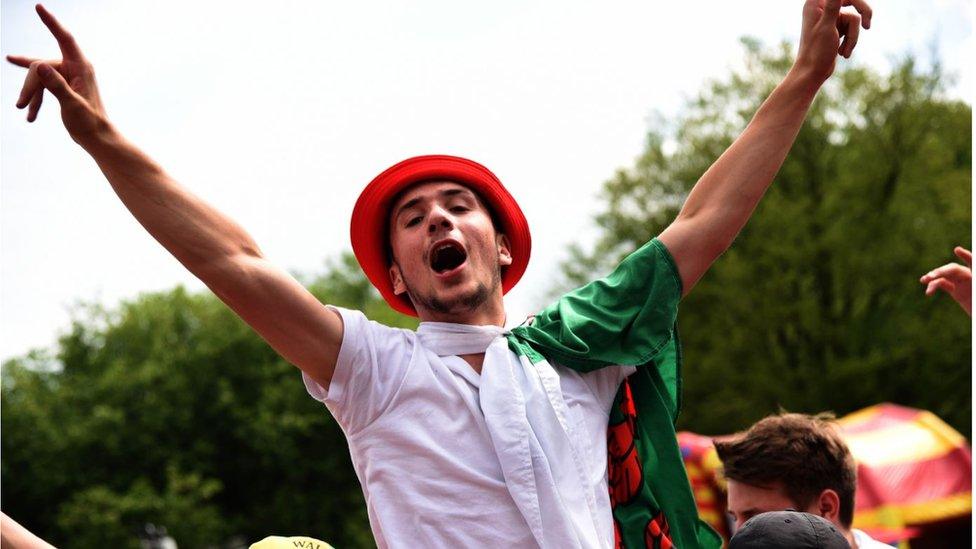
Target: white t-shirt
{"type": "Point", "coordinates": [420, 446]}
{"type": "Point", "coordinates": [865, 541]}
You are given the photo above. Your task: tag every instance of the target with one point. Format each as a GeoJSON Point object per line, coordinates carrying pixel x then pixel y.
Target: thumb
{"type": "Point", "coordinates": [56, 84]}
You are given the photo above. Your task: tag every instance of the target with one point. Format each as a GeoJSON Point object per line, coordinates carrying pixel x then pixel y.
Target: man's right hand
{"type": "Point", "coordinates": [70, 79]}
{"type": "Point", "coordinates": [210, 244]}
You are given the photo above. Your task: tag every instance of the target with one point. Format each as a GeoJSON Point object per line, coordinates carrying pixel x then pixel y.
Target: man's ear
{"type": "Point", "coordinates": [396, 278]}
{"type": "Point", "coordinates": [504, 250]}
{"type": "Point", "coordinates": [828, 505]}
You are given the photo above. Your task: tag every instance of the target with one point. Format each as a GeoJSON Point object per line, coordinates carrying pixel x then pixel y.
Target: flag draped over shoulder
{"type": "Point", "coordinates": [629, 318]}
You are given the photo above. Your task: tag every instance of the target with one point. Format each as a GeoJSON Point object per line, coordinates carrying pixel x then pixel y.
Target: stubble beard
{"type": "Point", "coordinates": [467, 302]}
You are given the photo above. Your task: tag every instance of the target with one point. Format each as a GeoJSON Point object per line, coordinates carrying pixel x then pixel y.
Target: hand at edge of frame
{"type": "Point", "coordinates": [70, 79]}
{"type": "Point", "coordinates": [953, 279]}
{"type": "Point", "coordinates": [829, 31]}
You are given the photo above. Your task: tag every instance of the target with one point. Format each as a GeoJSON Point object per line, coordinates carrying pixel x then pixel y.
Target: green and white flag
{"type": "Point", "coordinates": [629, 318]}
{"type": "Point", "coordinates": [625, 319]}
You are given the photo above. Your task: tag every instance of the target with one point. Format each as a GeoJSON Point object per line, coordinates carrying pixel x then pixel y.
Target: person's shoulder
{"type": "Point", "coordinates": [359, 330]}
{"type": "Point", "coordinates": [358, 320]}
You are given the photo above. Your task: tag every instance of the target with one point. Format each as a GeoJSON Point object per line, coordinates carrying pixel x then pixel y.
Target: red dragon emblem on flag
{"type": "Point", "coordinates": [626, 473]}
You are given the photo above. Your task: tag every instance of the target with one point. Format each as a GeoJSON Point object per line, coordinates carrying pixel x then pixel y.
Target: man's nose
{"type": "Point", "coordinates": [439, 220]}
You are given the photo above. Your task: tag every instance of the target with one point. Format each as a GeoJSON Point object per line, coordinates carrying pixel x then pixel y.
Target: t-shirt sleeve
{"type": "Point", "coordinates": [372, 363]}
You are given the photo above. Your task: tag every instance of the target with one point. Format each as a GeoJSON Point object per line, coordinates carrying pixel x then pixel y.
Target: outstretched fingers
{"type": "Point", "coordinates": [22, 61]}
{"type": "Point", "coordinates": [55, 83]}
{"type": "Point", "coordinates": [940, 284]}
{"type": "Point", "coordinates": [952, 271]}
{"type": "Point", "coordinates": [831, 11]}
{"type": "Point", "coordinates": [69, 48]}
{"type": "Point", "coordinates": [863, 9]}
{"type": "Point", "coordinates": [35, 105]}
{"type": "Point", "coordinates": [41, 76]}
{"type": "Point", "coordinates": [965, 255]}
{"type": "Point", "coordinates": [32, 84]}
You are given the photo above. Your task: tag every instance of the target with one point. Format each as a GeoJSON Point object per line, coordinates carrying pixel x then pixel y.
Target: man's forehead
{"type": "Point", "coordinates": [742, 494]}
{"type": "Point", "coordinates": [432, 188]}
{"type": "Point", "coordinates": [427, 190]}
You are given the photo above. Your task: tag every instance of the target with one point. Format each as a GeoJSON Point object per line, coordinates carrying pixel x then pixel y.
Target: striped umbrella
{"type": "Point", "coordinates": [912, 468]}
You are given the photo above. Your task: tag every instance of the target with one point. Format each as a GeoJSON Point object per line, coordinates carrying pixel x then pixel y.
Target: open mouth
{"type": "Point", "coordinates": [447, 257]}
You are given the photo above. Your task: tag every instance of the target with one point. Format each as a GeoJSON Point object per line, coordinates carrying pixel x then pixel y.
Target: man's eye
{"type": "Point", "coordinates": [459, 209]}
{"type": "Point", "coordinates": [413, 221]}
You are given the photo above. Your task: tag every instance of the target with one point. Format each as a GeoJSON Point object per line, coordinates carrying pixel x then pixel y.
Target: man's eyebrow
{"type": "Point", "coordinates": [446, 192]}
{"type": "Point", "coordinates": [456, 191]}
{"type": "Point", "coordinates": [460, 192]}
{"type": "Point", "coordinates": [407, 205]}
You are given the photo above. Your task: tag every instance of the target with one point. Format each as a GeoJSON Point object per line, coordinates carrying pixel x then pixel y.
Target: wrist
{"type": "Point", "coordinates": [804, 80]}
{"type": "Point", "coordinates": [101, 138]}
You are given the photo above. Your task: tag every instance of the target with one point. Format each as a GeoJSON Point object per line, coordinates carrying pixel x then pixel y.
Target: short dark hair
{"type": "Point", "coordinates": [804, 453]}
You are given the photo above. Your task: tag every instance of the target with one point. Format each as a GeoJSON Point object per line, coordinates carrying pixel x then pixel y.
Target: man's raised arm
{"type": "Point", "coordinates": [211, 245]}
{"type": "Point", "coordinates": [726, 195]}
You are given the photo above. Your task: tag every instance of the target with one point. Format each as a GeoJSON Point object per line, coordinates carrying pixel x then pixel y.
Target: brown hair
{"type": "Point", "coordinates": [804, 453]}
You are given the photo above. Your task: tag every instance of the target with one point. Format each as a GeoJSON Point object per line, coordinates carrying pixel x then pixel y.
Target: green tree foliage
{"type": "Point", "coordinates": [169, 410]}
{"type": "Point", "coordinates": [817, 305]}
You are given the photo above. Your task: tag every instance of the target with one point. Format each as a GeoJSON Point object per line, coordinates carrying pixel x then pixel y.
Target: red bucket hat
{"type": "Point", "coordinates": [369, 228]}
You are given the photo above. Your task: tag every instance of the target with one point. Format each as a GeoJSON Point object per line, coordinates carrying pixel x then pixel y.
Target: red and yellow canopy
{"type": "Point", "coordinates": [912, 470]}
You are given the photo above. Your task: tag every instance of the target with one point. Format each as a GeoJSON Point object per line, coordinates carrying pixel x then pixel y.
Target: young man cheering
{"type": "Point", "coordinates": [463, 434]}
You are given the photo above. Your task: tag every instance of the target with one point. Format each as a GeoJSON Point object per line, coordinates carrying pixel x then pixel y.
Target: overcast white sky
{"type": "Point", "coordinates": [280, 112]}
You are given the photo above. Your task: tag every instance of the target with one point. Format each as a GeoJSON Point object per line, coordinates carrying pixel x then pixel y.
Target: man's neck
{"type": "Point", "coordinates": [488, 314]}
{"type": "Point", "coordinates": [476, 361]}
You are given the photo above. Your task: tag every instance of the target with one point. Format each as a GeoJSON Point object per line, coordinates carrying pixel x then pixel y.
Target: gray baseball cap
{"type": "Point", "coordinates": [788, 530]}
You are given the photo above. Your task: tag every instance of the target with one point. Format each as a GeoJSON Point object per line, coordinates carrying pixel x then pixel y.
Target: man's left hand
{"type": "Point", "coordinates": [824, 28]}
